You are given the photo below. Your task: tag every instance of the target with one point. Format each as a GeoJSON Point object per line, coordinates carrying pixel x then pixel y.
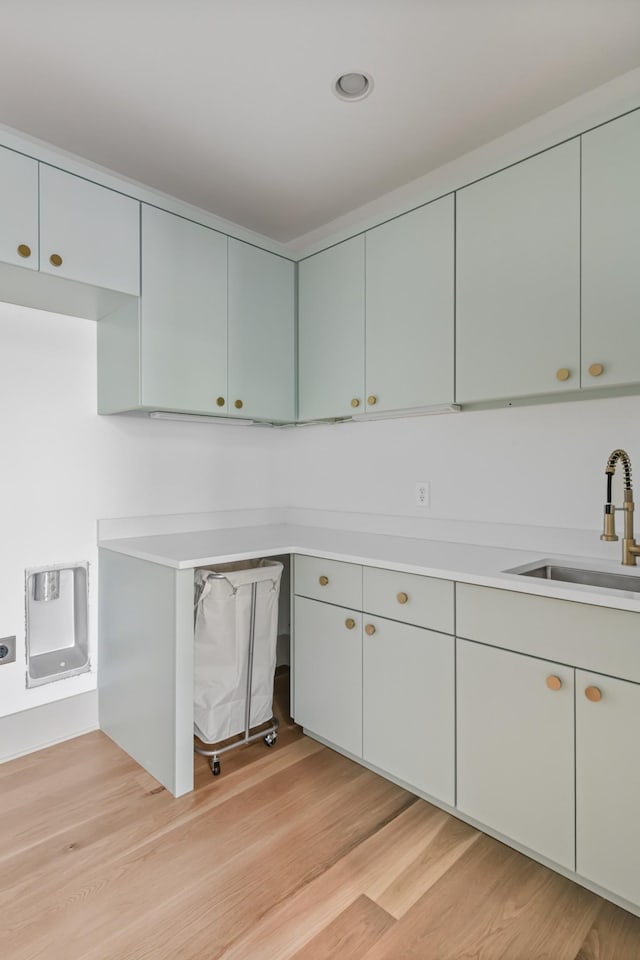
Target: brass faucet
{"type": "Point", "coordinates": [630, 549]}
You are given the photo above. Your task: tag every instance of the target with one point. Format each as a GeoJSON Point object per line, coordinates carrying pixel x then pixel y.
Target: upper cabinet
{"type": "Point", "coordinates": [518, 279]}
{"type": "Point", "coordinates": [183, 315]}
{"type": "Point", "coordinates": [19, 205]}
{"type": "Point", "coordinates": [524, 284]}
{"type": "Point", "coordinates": [88, 233]}
{"type": "Point", "coordinates": [212, 333]}
{"type": "Point", "coordinates": [385, 342]}
{"type": "Point", "coordinates": [611, 253]}
{"type": "Point", "coordinates": [331, 332]}
{"type": "Point", "coordinates": [409, 309]}
{"type": "Point", "coordinates": [59, 224]}
{"type": "Point", "coordinates": [261, 333]}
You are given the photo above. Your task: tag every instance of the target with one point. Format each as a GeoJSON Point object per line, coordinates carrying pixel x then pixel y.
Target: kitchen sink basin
{"type": "Point", "coordinates": [581, 575]}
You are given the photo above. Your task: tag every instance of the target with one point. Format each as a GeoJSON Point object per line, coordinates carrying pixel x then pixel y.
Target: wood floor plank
{"type": "Point", "coordinates": [496, 904]}
{"type": "Point", "coordinates": [296, 920]}
{"type": "Point", "coordinates": [351, 934]}
{"type": "Point", "coordinates": [449, 843]}
{"type": "Point", "coordinates": [240, 862]}
{"type": "Point", "coordinates": [113, 828]}
{"type": "Point", "coordinates": [71, 789]}
{"type": "Point", "coordinates": [615, 935]}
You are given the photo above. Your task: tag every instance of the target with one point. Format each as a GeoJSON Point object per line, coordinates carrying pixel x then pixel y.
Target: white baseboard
{"type": "Point", "coordinates": [39, 727]}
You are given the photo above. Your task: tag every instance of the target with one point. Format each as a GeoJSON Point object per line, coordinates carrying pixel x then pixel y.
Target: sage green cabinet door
{"type": "Point", "coordinates": [409, 309]}
{"type": "Point", "coordinates": [183, 314]}
{"type": "Point", "coordinates": [331, 332]}
{"type": "Point", "coordinates": [328, 672]}
{"type": "Point", "coordinates": [518, 279]}
{"type": "Point", "coordinates": [92, 233]}
{"type": "Point", "coordinates": [261, 333]}
{"type": "Point", "coordinates": [515, 748]}
{"type": "Point", "coordinates": [611, 253]}
{"type": "Point", "coordinates": [608, 784]}
{"type": "Point", "coordinates": [408, 705]}
{"type": "Point", "coordinates": [18, 209]}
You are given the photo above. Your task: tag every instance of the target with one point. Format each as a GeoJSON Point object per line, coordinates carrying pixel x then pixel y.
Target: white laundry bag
{"type": "Point", "coordinates": [222, 630]}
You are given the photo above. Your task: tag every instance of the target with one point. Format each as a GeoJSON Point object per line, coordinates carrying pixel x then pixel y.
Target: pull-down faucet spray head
{"type": "Point", "coordinates": [609, 531]}
{"type": "Point", "coordinates": [630, 549]}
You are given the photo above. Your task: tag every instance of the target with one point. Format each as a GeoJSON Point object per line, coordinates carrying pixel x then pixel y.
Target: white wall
{"type": "Point", "coordinates": [62, 467]}
{"type": "Point", "coordinates": [536, 466]}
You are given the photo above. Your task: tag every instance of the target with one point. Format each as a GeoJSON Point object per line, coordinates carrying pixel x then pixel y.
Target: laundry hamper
{"type": "Point", "coordinates": [236, 629]}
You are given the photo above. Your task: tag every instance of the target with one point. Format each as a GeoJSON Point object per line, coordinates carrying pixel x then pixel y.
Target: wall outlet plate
{"type": "Point", "coordinates": [423, 493]}
{"type": "Point", "coordinates": [7, 650]}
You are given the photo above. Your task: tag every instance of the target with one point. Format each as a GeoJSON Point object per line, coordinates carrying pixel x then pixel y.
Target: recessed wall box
{"type": "Point", "coordinates": [57, 622]}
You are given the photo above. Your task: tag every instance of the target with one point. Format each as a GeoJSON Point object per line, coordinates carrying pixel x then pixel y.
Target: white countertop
{"type": "Point", "coordinates": [465, 563]}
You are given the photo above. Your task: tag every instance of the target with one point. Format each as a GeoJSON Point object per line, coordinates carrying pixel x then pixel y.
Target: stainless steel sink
{"type": "Point", "coordinates": [581, 575]}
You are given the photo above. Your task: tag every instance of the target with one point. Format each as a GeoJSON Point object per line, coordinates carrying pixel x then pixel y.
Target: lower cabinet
{"type": "Point", "coordinates": [383, 689]}
{"type": "Point", "coordinates": [608, 783]}
{"type": "Point", "coordinates": [328, 672]}
{"type": "Point", "coordinates": [516, 747]}
{"type": "Point", "coordinates": [542, 752]}
{"type": "Point", "coordinates": [408, 705]}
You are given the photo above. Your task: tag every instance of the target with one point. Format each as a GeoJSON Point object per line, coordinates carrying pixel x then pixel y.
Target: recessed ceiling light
{"type": "Point", "coordinates": [353, 85]}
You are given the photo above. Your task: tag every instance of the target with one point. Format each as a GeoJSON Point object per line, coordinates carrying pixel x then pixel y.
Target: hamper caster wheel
{"type": "Point", "coordinates": [270, 739]}
{"type": "Point", "coordinates": [215, 768]}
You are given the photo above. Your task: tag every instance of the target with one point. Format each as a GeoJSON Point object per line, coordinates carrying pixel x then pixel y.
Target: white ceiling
{"type": "Point", "coordinates": [227, 104]}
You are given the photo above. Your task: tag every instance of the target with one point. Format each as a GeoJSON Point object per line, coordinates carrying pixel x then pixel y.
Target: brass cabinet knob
{"type": "Point", "coordinates": [349, 623]}
{"type": "Point", "coordinates": [355, 402]}
{"type": "Point", "coordinates": [596, 369]}
{"type": "Point", "coordinates": [402, 597]}
{"type": "Point", "coordinates": [372, 400]}
{"type": "Point", "coordinates": [238, 404]}
{"type": "Point", "coordinates": [563, 374]}
{"type": "Point", "coordinates": [370, 629]}
{"type": "Point", "coordinates": [553, 682]}
{"type": "Point", "coordinates": [594, 694]}
{"type": "Point", "coordinates": [24, 250]}
{"type": "Point", "coordinates": [55, 260]}
{"type": "Point", "coordinates": [323, 581]}
{"type": "Point", "coordinates": [220, 401]}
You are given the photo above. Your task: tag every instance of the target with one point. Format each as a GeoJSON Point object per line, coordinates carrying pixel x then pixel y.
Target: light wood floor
{"type": "Point", "coordinates": [294, 852]}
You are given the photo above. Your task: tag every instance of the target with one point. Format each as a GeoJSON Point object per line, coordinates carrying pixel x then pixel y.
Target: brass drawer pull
{"type": "Point", "coordinates": [355, 402]}
{"type": "Point", "coordinates": [372, 400]}
{"type": "Point", "coordinates": [220, 401]}
{"type": "Point", "coordinates": [554, 683]}
{"type": "Point", "coordinates": [402, 597]}
{"type": "Point", "coordinates": [323, 581]}
{"type": "Point", "coordinates": [349, 623]}
{"type": "Point", "coordinates": [238, 404]}
{"type": "Point", "coordinates": [563, 374]}
{"type": "Point", "coordinates": [596, 369]}
{"type": "Point", "coordinates": [370, 629]}
{"type": "Point", "coordinates": [24, 250]}
{"type": "Point", "coordinates": [594, 694]}
{"type": "Point", "coordinates": [55, 260]}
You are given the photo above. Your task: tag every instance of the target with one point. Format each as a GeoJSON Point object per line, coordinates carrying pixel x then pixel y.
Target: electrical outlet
{"type": "Point", "coordinates": [423, 493]}
{"type": "Point", "coordinates": [7, 650]}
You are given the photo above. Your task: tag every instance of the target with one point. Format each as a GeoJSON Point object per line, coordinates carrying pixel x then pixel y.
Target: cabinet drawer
{"type": "Point", "coordinates": [409, 598]}
{"type": "Point", "coordinates": [595, 638]}
{"type": "Point", "coordinates": [330, 580]}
